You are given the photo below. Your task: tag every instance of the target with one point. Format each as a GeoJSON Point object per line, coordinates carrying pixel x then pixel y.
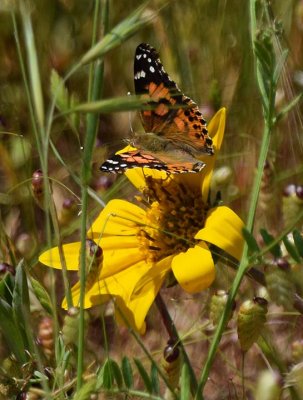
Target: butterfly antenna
{"type": "Point", "coordinates": [129, 118]}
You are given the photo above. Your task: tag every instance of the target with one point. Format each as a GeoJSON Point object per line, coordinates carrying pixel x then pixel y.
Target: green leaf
{"type": "Point", "coordinates": [59, 91]}
{"type": "Point", "coordinates": [279, 66]}
{"type": "Point", "coordinates": [184, 383]}
{"type": "Point", "coordinates": [109, 372]}
{"type": "Point", "coordinates": [268, 240]}
{"type": "Point", "coordinates": [86, 390]}
{"type": "Point", "coordinates": [128, 27]}
{"type": "Point", "coordinates": [125, 103]}
{"type": "Point", "coordinates": [289, 106]}
{"type": "Point", "coordinates": [42, 296]}
{"type": "Point", "coordinates": [291, 249]}
{"type": "Point", "coordinates": [7, 287]}
{"type": "Point", "coordinates": [11, 332]}
{"type": "Point", "coordinates": [63, 100]}
{"type": "Point", "coordinates": [251, 241]}
{"type": "Point", "coordinates": [117, 373]}
{"type": "Point", "coordinates": [20, 303]}
{"type": "Point", "coordinates": [144, 375]}
{"type": "Point", "coordinates": [154, 375]}
{"type": "Point", "coordinates": [127, 372]}
{"type": "Point", "coordinates": [298, 239]}
{"type": "Point", "coordinates": [105, 377]}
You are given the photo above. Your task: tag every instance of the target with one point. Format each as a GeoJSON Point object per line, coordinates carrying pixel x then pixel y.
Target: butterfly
{"type": "Point", "coordinates": [175, 130]}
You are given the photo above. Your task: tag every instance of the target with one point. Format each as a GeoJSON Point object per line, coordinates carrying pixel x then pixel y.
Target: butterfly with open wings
{"type": "Point", "coordinates": [175, 130]}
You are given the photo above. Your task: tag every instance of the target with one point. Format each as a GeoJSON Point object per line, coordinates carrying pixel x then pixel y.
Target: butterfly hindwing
{"type": "Point", "coordinates": [119, 163]}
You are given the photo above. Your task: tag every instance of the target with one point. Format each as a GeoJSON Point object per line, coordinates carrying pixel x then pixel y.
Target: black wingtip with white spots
{"type": "Point", "coordinates": [148, 68]}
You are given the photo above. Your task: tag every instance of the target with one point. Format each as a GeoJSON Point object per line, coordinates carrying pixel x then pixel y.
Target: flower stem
{"type": "Point", "coordinates": [173, 334]}
{"type": "Point", "coordinates": [244, 264]}
{"type": "Point", "coordinates": [95, 85]}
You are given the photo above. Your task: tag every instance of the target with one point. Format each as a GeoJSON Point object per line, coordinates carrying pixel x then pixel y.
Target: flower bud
{"type": "Point", "coordinates": [217, 305]}
{"type": "Point", "coordinates": [171, 363]}
{"type": "Point", "coordinates": [251, 319]}
{"type": "Point", "coordinates": [68, 212]}
{"type": "Point", "coordinates": [46, 336]}
{"type": "Point", "coordinates": [38, 188]}
{"type": "Point", "coordinates": [70, 330]}
{"type": "Point", "coordinates": [292, 204]}
{"type": "Point", "coordinates": [279, 282]}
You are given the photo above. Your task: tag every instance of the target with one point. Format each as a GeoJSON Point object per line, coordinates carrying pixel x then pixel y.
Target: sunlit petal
{"type": "Point", "coordinates": [71, 252]}
{"type": "Point", "coordinates": [137, 176]}
{"type": "Point", "coordinates": [194, 269]}
{"type": "Point", "coordinates": [133, 306]}
{"type": "Point", "coordinates": [119, 217]}
{"type": "Point", "coordinates": [223, 228]}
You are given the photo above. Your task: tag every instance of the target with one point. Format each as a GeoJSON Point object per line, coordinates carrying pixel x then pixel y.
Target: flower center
{"type": "Point", "coordinates": [174, 216]}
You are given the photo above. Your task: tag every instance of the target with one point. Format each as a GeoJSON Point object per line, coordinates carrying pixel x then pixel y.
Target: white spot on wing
{"type": "Point", "coordinates": [138, 56]}
{"type": "Point", "coordinates": [152, 69]}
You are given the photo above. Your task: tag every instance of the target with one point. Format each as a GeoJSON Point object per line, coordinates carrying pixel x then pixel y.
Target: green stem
{"type": "Point", "coordinates": [250, 223]}
{"type": "Point", "coordinates": [173, 333]}
{"type": "Point", "coordinates": [96, 77]}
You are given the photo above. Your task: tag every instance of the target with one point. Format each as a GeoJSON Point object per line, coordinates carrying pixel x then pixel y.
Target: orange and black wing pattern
{"type": "Point", "coordinates": [174, 115]}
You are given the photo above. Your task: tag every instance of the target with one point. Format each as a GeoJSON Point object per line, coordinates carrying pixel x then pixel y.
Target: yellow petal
{"type": "Point", "coordinates": [71, 252]}
{"type": "Point", "coordinates": [157, 272]}
{"type": "Point", "coordinates": [126, 149]}
{"type": "Point", "coordinates": [216, 130]}
{"type": "Point", "coordinates": [142, 299]}
{"type": "Point", "coordinates": [118, 253]}
{"type": "Point", "coordinates": [121, 286]}
{"type": "Point", "coordinates": [119, 217]}
{"type": "Point", "coordinates": [223, 228]}
{"type": "Point", "coordinates": [194, 269]}
{"type": "Point", "coordinates": [137, 176]}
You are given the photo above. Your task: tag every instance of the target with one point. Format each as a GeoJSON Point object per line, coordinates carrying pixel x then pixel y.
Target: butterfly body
{"type": "Point", "coordinates": [176, 134]}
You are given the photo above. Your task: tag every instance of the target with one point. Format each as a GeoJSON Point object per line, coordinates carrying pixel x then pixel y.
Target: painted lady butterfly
{"type": "Point", "coordinates": [176, 133]}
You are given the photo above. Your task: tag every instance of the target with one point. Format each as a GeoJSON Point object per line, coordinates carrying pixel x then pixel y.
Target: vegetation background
{"type": "Point", "coordinates": [206, 46]}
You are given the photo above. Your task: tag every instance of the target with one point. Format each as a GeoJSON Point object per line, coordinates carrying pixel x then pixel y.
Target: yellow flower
{"type": "Point", "coordinates": [171, 233]}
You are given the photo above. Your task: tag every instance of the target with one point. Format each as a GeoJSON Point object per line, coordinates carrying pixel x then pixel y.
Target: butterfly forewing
{"type": "Point", "coordinates": [174, 115]}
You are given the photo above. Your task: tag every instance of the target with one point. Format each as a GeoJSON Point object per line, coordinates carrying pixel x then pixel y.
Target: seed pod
{"type": "Point", "coordinates": [171, 363]}
{"type": "Point", "coordinates": [6, 269]}
{"type": "Point", "coordinates": [294, 379]}
{"type": "Point", "coordinates": [279, 282]}
{"type": "Point", "coordinates": [26, 244]}
{"type": "Point", "coordinates": [217, 305]}
{"type": "Point", "coordinates": [68, 212]}
{"type": "Point", "coordinates": [38, 188]}
{"type": "Point", "coordinates": [103, 183]}
{"type": "Point", "coordinates": [70, 326]}
{"type": "Point", "coordinates": [292, 204]}
{"type": "Point", "coordinates": [31, 394]}
{"type": "Point", "coordinates": [94, 261]}
{"type": "Point", "coordinates": [269, 386]}
{"type": "Point", "coordinates": [46, 336]}
{"type": "Point", "coordinates": [267, 197]}
{"type": "Point", "coordinates": [297, 351]}
{"type": "Point", "coordinates": [251, 319]}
